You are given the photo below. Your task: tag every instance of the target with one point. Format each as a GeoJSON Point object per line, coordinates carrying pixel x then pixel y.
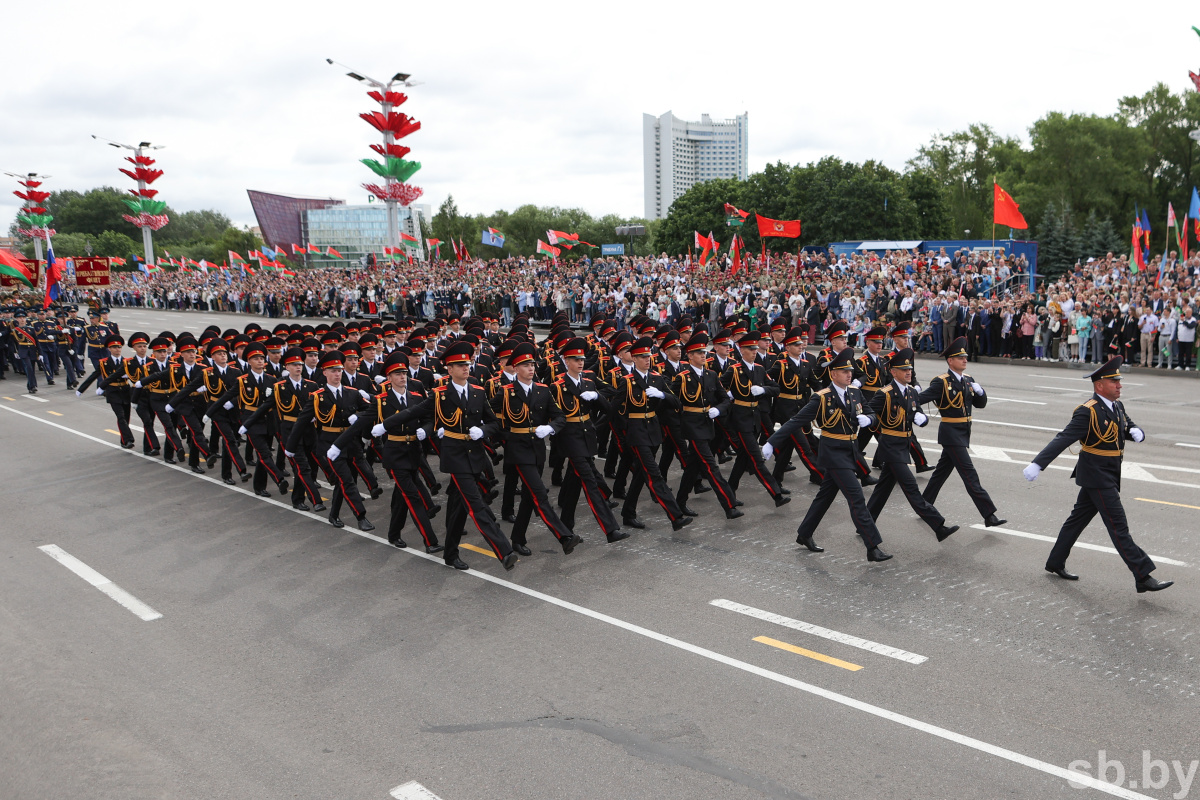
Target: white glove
{"type": "Point", "coordinates": [655, 393]}
{"type": "Point", "coordinates": [228, 405]}
{"type": "Point", "coordinates": [757, 391]}
{"type": "Point", "coordinates": [856, 383]}
{"type": "Point", "coordinates": [589, 395]}
{"type": "Point", "coordinates": [242, 430]}
{"type": "Point", "coordinates": [137, 385]}
{"type": "Point", "coordinates": [864, 421]}
{"type": "Point", "coordinates": [365, 394]}
{"type": "Point", "coordinates": [441, 432]}
{"type": "Point", "coordinates": [378, 430]}
{"type": "Point", "coordinates": [713, 413]}
{"type": "Point", "coordinates": [475, 432]}
{"type": "Point", "coordinates": [729, 393]}
{"type": "Point", "coordinates": [1031, 472]}
{"type": "Point", "coordinates": [1137, 434]}
{"type": "Point", "coordinates": [333, 453]}
{"type": "Point", "coordinates": [205, 419]}
{"type": "Point", "coordinates": [99, 393]}
{"type": "Point", "coordinates": [976, 388]}
{"type": "Point", "coordinates": [380, 379]}
{"type": "Point", "coordinates": [269, 390]}
{"type": "Point", "coordinates": [543, 431]}
{"type": "Point", "coordinates": [437, 376]}
{"type": "Point", "coordinates": [917, 387]}
{"type": "Point", "coordinates": [353, 418]}
{"type": "Point", "coordinates": [79, 394]}
{"type": "Point", "coordinates": [170, 409]}
{"type": "Point", "coordinates": [920, 419]}
{"type": "Point", "coordinates": [420, 434]}
{"type": "Point", "coordinates": [767, 451]}
{"type": "Point", "coordinates": [202, 389]}
{"type": "Point", "coordinates": [289, 454]}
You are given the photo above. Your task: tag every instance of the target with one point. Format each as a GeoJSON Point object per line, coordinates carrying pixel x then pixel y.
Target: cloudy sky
{"type": "Point", "coordinates": [542, 103]}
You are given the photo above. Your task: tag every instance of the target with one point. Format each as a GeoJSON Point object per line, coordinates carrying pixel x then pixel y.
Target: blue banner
{"type": "Point", "coordinates": [612, 249]}
{"type": "Point", "coordinates": [492, 239]}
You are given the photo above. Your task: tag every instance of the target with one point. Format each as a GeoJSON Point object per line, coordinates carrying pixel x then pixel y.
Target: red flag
{"type": "Point", "coordinates": [787, 228]}
{"type": "Point", "coordinates": [454, 246]}
{"type": "Point", "coordinates": [1006, 211]}
{"type": "Point", "coordinates": [735, 248]}
{"type": "Point", "coordinates": [462, 246]}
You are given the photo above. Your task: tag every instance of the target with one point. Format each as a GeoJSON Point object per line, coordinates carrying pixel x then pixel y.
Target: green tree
{"type": "Point", "coordinates": [193, 226]}
{"type": "Point", "coordinates": [113, 243]}
{"type": "Point", "coordinates": [93, 212]}
{"type": "Point", "coordinates": [839, 201]}
{"type": "Point", "coordinates": [700, 208]}
{"type": "Point", "coordinates": [1059, 239]}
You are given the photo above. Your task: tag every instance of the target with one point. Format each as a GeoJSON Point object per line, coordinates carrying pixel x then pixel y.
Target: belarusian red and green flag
{"type": "Point", "coordinates": [567, 240]}
{"type": "Point", "coordinates": [330, 251]}
{"type": "Point", "coordinates": [734, 216]}
{"type": "Point", "coordinates": [235, 259]}
{"type": "Point", "coordinates": [410, 242]}
{"type": "Point", "coordinates": [544, 249]}
{"type": "Point", "coordinates": [11, 266]}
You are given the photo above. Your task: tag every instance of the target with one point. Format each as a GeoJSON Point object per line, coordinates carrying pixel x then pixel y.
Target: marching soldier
{"type": "Point", "coordinates": [215, 382]}
{"type": "Point", "coordinates": [528, 415]}
{"type": "Point", "coordinates": [1101, 426]}
{"type": "Point", "coordinates": [157, 396]}
{"type": "Point", "coordinates": [747, 383]}
{"type": "Point", "coordinates": [795, 374]}
{"type": "Point", "coordinates": [400, 450]}
{"type": "Point", "coordinates": [702, 400]}
{"type": "Point", "coordinates": [250, 393]}
{"type": "Point", "coordinates": [577, 394]}
{"type": "Point", "coordinates": [331, 410]}
{"type": "Point", "coordinates": [901, 334]}
{"type": "Point", "coordinates": [839, 412]}
{"type": "Point", "coordinates": [191, 407]}
{"type": "Point", "coordinates": [895, 408]}
{"type": "Point", "coordinates": [956, 394]}
{"type": "Point", "coordinates": [870, 375]}
{"type": "Point", "coordinates": [117, 391]}
{"type": "Point", "coordinates": [461, 416]}
{"type": "Point", "coordinates": [25, 340]}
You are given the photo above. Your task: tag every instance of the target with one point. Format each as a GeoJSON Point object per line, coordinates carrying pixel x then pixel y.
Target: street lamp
{"type": "Point", "coordinates": [33, 215]}
{"type": "Point", "coordinates": [147, 212]}
{"type": "Point", "coordinates": [394, 169]}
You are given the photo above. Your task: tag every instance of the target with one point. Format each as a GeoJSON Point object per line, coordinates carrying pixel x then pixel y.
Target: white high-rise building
{"type": "Point", "coordinates": [679, 154]}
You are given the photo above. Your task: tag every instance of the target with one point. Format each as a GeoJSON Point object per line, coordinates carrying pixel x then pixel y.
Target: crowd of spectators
{"type": "Point", "coordinates": [1098, 308]}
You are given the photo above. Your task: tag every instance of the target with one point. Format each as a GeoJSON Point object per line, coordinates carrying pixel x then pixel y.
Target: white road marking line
{"type": "Point", "coordinates": [824, 633]}
{"type": "Point", "coordinates": [1013, 425]}
{"type": "Point", "coordinates": [1085, 545]}
{"type": "Point", "coordinates": [100, 582]}
{"type": "Point", "coordinates": [1185, 444]}
{"type": "Point", "coordinates": [35, 398]}
{"type": "Point", "coordinates": [412, 791]}
{"type": "Point", "coordinates": [1072, 378]}
{"type": "Point", "coordinates": [1011, 400]}
{"type": "Point", "coordinates": [1084, 389]}
{"type": "Point", "coordinates": [845, 700]}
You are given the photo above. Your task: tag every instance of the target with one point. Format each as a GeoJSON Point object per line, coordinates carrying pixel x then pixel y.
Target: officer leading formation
{"type": "Point", "coordinates": [287, 406]}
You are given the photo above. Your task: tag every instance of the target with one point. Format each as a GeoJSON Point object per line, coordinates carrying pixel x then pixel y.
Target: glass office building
{"type": "Point", "coordinates": [355, 231]}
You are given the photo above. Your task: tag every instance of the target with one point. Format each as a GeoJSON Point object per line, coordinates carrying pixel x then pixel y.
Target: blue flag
{"type": "Point", "coordinates": [492, 238]}
{"type": "Point", "coordinates": [1145, 221]}
{"type": "Point", "coordinates": [1194, 211]}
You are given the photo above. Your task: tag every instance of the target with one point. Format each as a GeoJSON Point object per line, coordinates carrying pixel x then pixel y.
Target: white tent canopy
{"type": "Point", "coordinates": [907, 245]}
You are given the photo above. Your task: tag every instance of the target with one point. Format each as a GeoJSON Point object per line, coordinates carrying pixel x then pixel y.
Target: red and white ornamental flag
{"type": "Point", "coordinates": [787, 228]}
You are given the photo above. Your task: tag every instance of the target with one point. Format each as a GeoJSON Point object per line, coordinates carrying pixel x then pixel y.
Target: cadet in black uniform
{"type": "Point", "coordinates": [839, 412]}
{"type": "Point", "coordinates": [956, 394]}
{"type": "Point", "coordinates": [747, 384]}
{"type": "Point", "coordinates": [895, 408]}
{"type": "Point", "coordinates": [1101, 426]}
{"type": "Point", "coordinates": [117, 391]}
{"type": "Point", "coordinates": [157, 394]}
{"type": "Point", "coordinates": [25, 339]}
{"type": "Point", "coordinates": [901, 334]}
{"type": "Point", "coordinates": [702, 400]}
{"type": "Point", "coordinates": [795, 374]}
{"type": "Point", "coordinates": [288, 398]}
{"type": "Point", "coordinates": [212, 383]}
{"type": "Point", "coordinates": [250, 393]}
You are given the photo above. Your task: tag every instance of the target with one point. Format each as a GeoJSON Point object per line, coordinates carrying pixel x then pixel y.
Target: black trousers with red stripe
{"type": "Point", "coordinates": [672, 449]}
{"type": "Point", "coordinates": [167, 420]}
{"type": "Point", "coordinates": [265, 466]}
{"type": "Point", "coordinates": [343, 476]}
{"type": "Point", "coordinates": [749, 458]}
{"type": "Point", "coordinates": [799, 444]}
{"type": "Point", "coordinates": [199, 442]}
{"type": "Point", "coordinates": [582, 474]}
{"type": "Point", "coordinates": [230, 457]}
{"type": "Point", "coordinates": [1107, 503]}
{"type": "Point", "coordinates": [462, 500]}
{"type": "Point", "coordinates": [645, 473]}
{"type": "Point", "coordinates": [534, 496]}
{"type": "Point", "coordinates": [406, 500]}
{"type": "Point", "coordinates": [122, 410]}
{"type": "Point", "coordinates": [149, 436]}
{"type": "Point", "coordinates": [703, 464]}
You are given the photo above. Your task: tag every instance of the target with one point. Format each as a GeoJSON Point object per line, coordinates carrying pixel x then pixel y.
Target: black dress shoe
{"type": "Point", "coordinates": [613, 504]}
{"type": "Point", "coordinates": [681, 523]}
{"type": "Point", "coordinates": [509, 517]}
{"type": "Point", "coordinates": [992, 521]}
{"type": "Point", "coordinates": [522, 549]}
{"type": "Point", "coordinates": [733, 513]}
{"type": "Point", "coordinates": [617, 536]}
{"type": "Point", "coordinates": [319, 508]}
{"type": "Point", "coordinates": [434, 548]}
{"type": "Point", "coordinates": [738, 503]}
{"type": "Point", "coordinates": [509, 561]}
{"type": "Point", "coordinates": [155, 452]}
{"type": "Point", "coordinates": [782, 500]}
{"type": "Point", "coordinates": [687, 511]}
{"type": "Point", "coordinates": [434, 509]}
{"type": "Point", "coordinates": [400, 543]}
{"type": "Point", "coordinates": [285, 474]}
{"type": "Point", "coordinates": [170, 460]}
{"type": "Point", "coordinates": [815, 479]}
{"type": "Point", "coordinates": [491, 496]}
{"type": "Point", "coordinates": [283, 487]}
{"type": "Point", "coordinates": [571, 542]}
{"type": "Point", "coordinates": [364, 524]}
{"type": "Point", "coordinates": [262, 493]}
{"type": "Point", "coordinates": [556, 478]}
{"type": "Point", "coordinates": [1152, 584]}
{"type": "Point", "coordinates": [1062, 573]}
{"type": "Point", "coordinates": [943, 533]}
{"type": "Point", "coordinates": [810, 544]}
{"type": "Point", "coordinates": [925, 468]}
{"type": "Point", "coordinates": [458, 563]}
{"type": "Point", "coordinates": [301, 506]}
{"type": "Point", "coordinates": [437, 487]}
{"type": "Point", "coordinates": [870, 480]}
{"type": "Point", "coordinates": [199, 470]}
{"type": "Point", "coordinates": [230, 481]}
{"type": "Point", "coordinates": [611, 476]}
{"type": "Point", "coordinates": [784, 491]}
{"type": "Point", "coordinates": [377, 492]}
{"type": "Point", "coordinates": [337, 523]}
{"type": "Point", "coordinates": [619, 493]}
{"type": "Point", "coordinates": [875, 554]}
{"type": "Point", "coordinates": [701, 489]}
{"type": "Point", "coordinates": [633, 522]}
{"type": "Point", "coordinates": [725, 459]}
{"type": "Point", "coordinates": [210, 461]}
{"type": "Point", "coordinates": [245, 476]}
{"type": "Point", "coordinates": [790, 468]}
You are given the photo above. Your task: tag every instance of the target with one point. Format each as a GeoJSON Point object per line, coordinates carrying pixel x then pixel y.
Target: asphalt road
{"type": "Point", "coordinates": [294, 660]}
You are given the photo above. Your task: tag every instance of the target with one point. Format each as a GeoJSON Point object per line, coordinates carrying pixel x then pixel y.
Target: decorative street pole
{"type": "Point", "coordinates": [147, 213]}
{"type": "Point", "coordinates": [394, 170]}
{"type": "Point", "coordinates": [33, 215]}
